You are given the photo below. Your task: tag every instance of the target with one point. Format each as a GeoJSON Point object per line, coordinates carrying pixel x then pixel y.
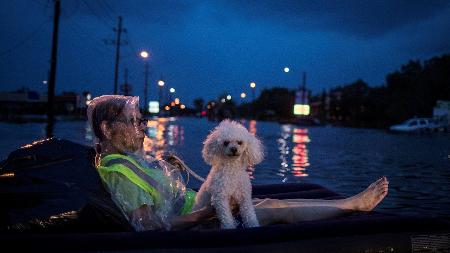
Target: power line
{"type": "Point", "coordinates": [100, 50]}
{"type": "Point", "coordinates": [108, 10]}
{"type": "Point", "coordinates": [25, 40]}
{"type": "Point", "coordinates": [95, 14]}
{"type": "Point", "coordinates": [109, 7]}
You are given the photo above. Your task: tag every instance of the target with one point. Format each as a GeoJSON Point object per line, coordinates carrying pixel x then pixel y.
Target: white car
{"type": "Point", "coordinates": [416, 125]}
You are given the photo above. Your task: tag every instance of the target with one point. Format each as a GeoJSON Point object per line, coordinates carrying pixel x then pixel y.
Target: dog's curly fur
{"type": "Point", "coordinates": [230, 149]}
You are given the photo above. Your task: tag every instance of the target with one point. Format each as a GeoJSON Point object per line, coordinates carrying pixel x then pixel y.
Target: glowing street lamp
{"type": "Point", "coordinates": [253, 86]}
{"type": "Point", "coordinates": [161, 84]}
{"type": "Point", "coordinates": [171, 91]}
{"type": "Point", "coordinates": [286, 69]}
{"type": "Point", "coordinates": [228, 97]}
{"type": "Point", "coordinates": [243, 95]}
{"type": "Point", "coordinates": [144, 55]}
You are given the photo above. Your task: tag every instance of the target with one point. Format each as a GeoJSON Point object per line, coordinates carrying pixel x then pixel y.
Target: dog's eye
{"type": "Point", "coordinates": [239, 142]}
{"type": "Point", "coordinates": [225, 143]}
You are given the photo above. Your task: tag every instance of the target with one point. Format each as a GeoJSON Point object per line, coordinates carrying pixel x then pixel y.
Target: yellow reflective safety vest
{"type": "Point", "coordinates": [151, 180]}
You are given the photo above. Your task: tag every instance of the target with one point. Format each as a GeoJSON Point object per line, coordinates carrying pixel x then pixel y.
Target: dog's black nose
{"type": "Point", "coordinates": [233, 150]}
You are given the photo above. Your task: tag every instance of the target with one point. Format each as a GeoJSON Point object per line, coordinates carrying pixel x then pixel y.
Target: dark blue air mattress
{"type": "Point", "coordinates": [57, 176]}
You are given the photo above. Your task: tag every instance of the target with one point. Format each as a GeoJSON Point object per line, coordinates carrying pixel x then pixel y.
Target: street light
{"type": "Point", "coordinates": [253, 86]}
{"type": "Point", "coordinates": [161, 84]}
{"type": "Point", "coordinates": [243, 95]}
{"type": "Point", "coordinates": [144, 55]}
{"type": "Point", "coordinates": [286, 69]}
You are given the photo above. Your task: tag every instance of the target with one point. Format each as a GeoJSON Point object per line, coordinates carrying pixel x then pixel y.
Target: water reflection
{"type": "Point", "coordinates": [161, 134]}
{"type": "Point", "coordinates": [300, 159]}
{"type": "Point", "coordinates": [283, 147]}
{"type": "Point", "coordinates": [300, 152]}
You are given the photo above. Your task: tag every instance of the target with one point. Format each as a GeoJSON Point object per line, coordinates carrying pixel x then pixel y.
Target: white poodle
{"type": "Point", "coordinates": [230, 149]}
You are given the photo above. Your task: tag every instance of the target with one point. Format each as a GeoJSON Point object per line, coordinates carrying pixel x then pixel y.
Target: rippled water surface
{"type": "Point", "coordinates": [345, 160]}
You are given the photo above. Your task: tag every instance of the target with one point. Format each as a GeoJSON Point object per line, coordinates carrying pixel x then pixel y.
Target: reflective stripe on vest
{"type": "Point", "coordinates": [156, 184]}
{"type": "Point", "coordinates": [131, 170]}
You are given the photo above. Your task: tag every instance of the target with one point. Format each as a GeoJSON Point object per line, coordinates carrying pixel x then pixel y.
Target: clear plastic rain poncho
{"type": "Point", "coordinates": [141, 209]}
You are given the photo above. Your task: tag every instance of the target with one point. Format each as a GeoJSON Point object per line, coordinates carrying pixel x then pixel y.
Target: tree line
{"type": "Point", "coordinates": [408, 92]}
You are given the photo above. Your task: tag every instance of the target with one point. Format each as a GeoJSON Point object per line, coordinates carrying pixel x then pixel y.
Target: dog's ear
{"type": "Point", "coordinates": [210, 148]}
{"type": "Point", "coordinates": [254, 152]}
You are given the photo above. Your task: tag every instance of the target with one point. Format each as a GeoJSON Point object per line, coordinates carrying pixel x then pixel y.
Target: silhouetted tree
{"type": "Point", "coordinates": [199, 104]}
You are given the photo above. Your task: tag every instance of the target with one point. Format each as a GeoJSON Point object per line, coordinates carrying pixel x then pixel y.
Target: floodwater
{"type": "Point", "coordinates": [345, 160]}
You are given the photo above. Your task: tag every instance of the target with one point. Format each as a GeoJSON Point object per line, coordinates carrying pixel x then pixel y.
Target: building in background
{"type": "Point", "coordinates": [17, 104]}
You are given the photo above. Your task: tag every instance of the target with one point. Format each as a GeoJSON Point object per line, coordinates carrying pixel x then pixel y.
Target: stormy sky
{"type": "Point", "coordinates": [207, 48]}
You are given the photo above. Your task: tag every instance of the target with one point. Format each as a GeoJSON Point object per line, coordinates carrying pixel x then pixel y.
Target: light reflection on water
{"type": "Point", "coordinates": [298, 152]}
{"type": "Point", "coordinates": [343, 159]}
{"type": "Point", "coordinates": [161, 134]}
{"type": "Point", "coordinates": [300, 160]}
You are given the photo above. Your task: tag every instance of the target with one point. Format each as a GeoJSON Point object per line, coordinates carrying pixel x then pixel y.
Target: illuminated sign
{"type": "Point", "coordinates": [153, 107]}
{"type": "Point", "coordinates": [300, 109]}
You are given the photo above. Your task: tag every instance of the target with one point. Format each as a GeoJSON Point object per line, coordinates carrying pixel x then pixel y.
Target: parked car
{"type": "Point", "coordinates": [416, 125]}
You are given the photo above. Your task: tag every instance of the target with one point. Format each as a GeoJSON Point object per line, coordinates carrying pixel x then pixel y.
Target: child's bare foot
{"type": "Point", "coordinates": [368, 199]}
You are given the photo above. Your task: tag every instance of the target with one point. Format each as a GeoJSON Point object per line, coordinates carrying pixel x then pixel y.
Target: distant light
{"type": "Point", "coordinates": [243, 95]}
{"type": "Point", "coordinates": [144, 54]}
{"type": "Point", "coordinates": [252, 84]}
{"type": "Point", "coordinates": [182, 106]}
{"type": "Point", "coordinates": [300, 109]}
{"type": "Point", "coordinates": [153, 107]}
{"type": "Point", "coordinates": [172, 104]}
{"type": "Point", "coordinates": [161, 83]}
{"type": "Point", "coordinates": [222, 100]}
{"type": "Point", "coordinates": [177, 101]}
{"type": "Point", "coordinates": [208, 106]}
{"type": "Point", "coordinates": [167, 107]}
{"type": "Point", "coordinates": [88, 96]}
{"type": "Point", "coordinates": [228, 97]}
{"type": "Point", "coordinates": [286, 69]}
{"type": "Point", "coordinates": [172, 90]}
{"type": "Point", "coordinates": [7, 175]}
{"type": "Point", "coordinates": [44, 82]}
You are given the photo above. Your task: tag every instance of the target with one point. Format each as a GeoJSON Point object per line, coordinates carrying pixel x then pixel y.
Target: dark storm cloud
{"type": "Point", "coordinates": [361, 18]}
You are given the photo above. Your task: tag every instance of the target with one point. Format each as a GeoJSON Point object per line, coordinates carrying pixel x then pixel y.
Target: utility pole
{"type": "Point", "coordinates": [52, 77]}
{"type": "Point", "coordinates": [116, 69]}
